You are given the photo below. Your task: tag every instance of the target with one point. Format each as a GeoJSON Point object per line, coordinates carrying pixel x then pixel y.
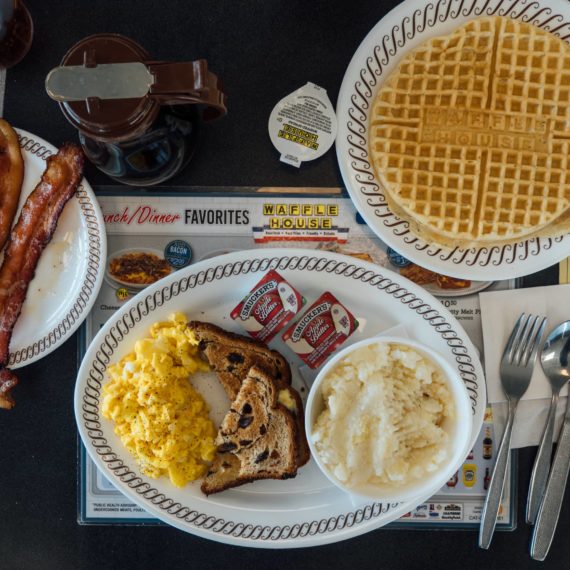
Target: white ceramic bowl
{"type": "Point", "coordinates": [459, 428]}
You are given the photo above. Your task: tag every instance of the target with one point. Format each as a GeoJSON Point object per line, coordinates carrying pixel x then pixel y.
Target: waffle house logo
{"type": "Point", "coordinates": [484, 129]}
{"type": "Point", "coordinates": [300, 221]}
{"type": "Point", "coordinates": [299, 136]}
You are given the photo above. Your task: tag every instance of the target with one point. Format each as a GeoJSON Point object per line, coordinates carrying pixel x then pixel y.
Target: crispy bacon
{"type": "Point", "coordinates": [11, 178]}
{"type": "Point", "coordinates": [7, 381]}
{"type": "Point", "coordinates": [33, 231]}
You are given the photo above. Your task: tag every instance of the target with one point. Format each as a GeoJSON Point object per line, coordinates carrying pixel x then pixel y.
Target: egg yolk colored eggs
{"type": "Point", "coordinates": [161, 419]}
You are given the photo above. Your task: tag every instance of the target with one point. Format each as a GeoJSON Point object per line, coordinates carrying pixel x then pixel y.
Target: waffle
{"type": "Point", "coordinates": [470, 135]}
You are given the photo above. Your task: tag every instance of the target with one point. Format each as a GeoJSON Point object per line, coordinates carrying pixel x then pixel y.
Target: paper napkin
{"type": "Point", "coordinates": [499, 313]}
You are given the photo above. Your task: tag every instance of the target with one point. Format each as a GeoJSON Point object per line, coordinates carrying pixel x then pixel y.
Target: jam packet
{"type": "Point", "coordinates": [268, 307]}
{"type": "Point", "coordinates": [302, 126]}
{"type": "Point", "coordinates": [326, 324]}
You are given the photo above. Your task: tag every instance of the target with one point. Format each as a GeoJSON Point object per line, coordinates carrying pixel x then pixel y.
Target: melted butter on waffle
{"type": "Point", "coordinates": [470, 135]}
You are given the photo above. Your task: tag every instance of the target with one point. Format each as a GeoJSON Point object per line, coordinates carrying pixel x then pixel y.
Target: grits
{"type": "Point", "coordinates": [384, 417]}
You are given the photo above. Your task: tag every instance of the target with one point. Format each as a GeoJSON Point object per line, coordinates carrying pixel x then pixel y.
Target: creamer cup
{"type": "Point", "coordinates": [302, 126]}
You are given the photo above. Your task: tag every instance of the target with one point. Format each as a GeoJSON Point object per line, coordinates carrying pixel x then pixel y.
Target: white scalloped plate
{"type": "Point", "coordinates": [307, 510]}
{"type": "Point", "coordinates": [70, 271]}
{"type": "Point", "coordinates": [405, 27]}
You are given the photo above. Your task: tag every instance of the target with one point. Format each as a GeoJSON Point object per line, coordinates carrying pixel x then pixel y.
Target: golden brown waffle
{"type": "Point", "coordinates": [470, 135]}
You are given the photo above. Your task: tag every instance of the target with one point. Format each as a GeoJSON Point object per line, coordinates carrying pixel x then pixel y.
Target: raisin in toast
{"type": "Point", "coordinates": [257, 438]}
{"type": "Point", "coordinates": [232, 356]}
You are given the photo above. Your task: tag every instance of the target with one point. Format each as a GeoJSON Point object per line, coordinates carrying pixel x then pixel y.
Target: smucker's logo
{"type": "Point", "coordinates": [307, 319]}
{"type": "Point", "coordinates": [254, 297]}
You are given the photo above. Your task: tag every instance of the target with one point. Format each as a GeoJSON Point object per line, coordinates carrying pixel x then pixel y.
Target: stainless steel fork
{"type": "Point", "coordinates": [515, 370]}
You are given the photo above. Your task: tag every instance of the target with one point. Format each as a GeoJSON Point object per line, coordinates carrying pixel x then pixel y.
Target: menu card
{"type": "Point", "coordinates": [187, 227]}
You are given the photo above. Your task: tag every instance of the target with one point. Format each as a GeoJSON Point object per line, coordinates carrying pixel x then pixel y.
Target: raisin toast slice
{"type": "Point", "coordinates": [232, 355]}
{"type": "Point", "coordinates": [257, 438]}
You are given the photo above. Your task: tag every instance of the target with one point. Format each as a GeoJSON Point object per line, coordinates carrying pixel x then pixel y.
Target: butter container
{"type": "Point", "coordinates": [326, 324]}
{"type": "Point", "coordinates": [268, 307]}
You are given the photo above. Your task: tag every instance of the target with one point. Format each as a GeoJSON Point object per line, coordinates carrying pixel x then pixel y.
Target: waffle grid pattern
{"type": "Point", "coordinates": [468, 135]}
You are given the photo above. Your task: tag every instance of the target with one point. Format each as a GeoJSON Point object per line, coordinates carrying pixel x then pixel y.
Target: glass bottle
{"type": "Point", "coordinates": [487, 444]}
{"type": "Point", "coordinates": [487, 479]}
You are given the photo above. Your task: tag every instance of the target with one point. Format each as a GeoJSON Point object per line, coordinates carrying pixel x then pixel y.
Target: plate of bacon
{"type": "Point", "coordinates": [53, 244]}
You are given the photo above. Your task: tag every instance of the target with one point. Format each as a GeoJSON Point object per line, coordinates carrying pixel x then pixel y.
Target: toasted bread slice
{"type": "Point", "coordinates": [290, 398]}
{"type": "Point", "coordinates": [257, 438]}
{"type": "Point", "coordinates": [232, 355]}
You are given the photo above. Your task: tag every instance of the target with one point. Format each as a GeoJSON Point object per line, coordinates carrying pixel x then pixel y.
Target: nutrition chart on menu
{"type": "Point", "coordinates": [177, 229]}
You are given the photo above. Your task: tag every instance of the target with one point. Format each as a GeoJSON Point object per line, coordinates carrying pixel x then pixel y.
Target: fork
{"type": "Point", "coordinates": [517, 364]}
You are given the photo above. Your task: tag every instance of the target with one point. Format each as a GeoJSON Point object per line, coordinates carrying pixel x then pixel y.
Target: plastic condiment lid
{"type": "Point", "coordinates": [302, 126]}
{"type": "Point", "coordinates": [108, 88]}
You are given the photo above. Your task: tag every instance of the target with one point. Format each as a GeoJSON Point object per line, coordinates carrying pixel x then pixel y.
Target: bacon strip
{"type": "Point", "coordinates": [7, 381]}
{"type": "Point", "coordinates": [29, 237]}
{"type": "Point", "coordinates": [11, 178]}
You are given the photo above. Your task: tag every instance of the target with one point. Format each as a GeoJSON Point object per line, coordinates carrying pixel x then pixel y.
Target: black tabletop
{"type": "Point", "coordinates": [262, 50]}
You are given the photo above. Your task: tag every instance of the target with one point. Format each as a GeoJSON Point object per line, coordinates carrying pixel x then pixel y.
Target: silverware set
{"type": "Point", "coordinates": [515, 370]}
{"type": "Point", "coordinates": [548, 480]}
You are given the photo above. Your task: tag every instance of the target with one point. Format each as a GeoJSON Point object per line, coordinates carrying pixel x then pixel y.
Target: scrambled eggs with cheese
{"type": "Point", "coordinates": [161, 419]}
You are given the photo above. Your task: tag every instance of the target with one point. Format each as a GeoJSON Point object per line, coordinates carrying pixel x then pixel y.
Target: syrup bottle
{"type": "Point", "coordinates": [487, 479]}
{"type": "Point", "coordinates": [487, 444]}
{"type": "Point", "coordinates": [137, 119]}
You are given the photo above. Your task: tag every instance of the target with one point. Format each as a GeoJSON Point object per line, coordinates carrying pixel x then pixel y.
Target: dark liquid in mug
{"type": "Point", "coordinates": [16, 32]}
{"type": "Point", "coordinates": [153, 157]}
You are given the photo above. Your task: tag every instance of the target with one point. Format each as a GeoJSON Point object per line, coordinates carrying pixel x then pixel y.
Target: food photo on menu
{"type": "Point", "coordinates": [367, 330]}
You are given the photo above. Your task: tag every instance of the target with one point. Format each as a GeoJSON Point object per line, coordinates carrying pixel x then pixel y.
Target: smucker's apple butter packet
{"type": "Point", "coordinates": [326, 324]}
{"type": "Point", "coordinates": [268, 307]}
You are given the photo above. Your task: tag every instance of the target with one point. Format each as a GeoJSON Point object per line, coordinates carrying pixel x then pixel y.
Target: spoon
{"type": "Point", "coordinates": [556, 364]}
{"type": "Point", "coordinates": [554, 361]}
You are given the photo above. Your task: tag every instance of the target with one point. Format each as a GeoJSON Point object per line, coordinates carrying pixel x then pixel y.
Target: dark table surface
{"type": "Point", "coordinates": [263, 49]}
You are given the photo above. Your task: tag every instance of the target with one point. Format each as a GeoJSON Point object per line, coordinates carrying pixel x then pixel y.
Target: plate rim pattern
{"type": "Point", "coordinates": [368, 70]}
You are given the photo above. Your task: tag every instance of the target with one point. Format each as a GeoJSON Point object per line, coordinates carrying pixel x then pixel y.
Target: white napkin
{"type": "Point", "coordinates": [499, 313]}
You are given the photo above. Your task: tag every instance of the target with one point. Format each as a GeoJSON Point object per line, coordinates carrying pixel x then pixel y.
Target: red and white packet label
{"type": "Point", "coordinates": [326, 324]}
{"type": "Point", "coordinates": [268, 307]}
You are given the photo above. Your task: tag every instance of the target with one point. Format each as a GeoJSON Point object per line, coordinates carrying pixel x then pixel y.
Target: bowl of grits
{"type": "Point", "coordinates": [390, 419]}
